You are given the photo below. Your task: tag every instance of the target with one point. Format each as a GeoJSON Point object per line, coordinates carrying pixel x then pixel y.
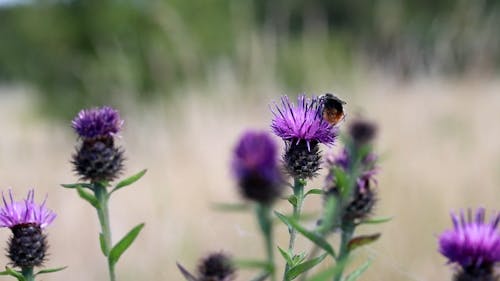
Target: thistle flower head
{"type": "Point", "coordinates": [302, 122]}
{"type": "Point", "coordinates": [362, 131]}
{"type": "Point", "coordinates": [216, 267]}
{"type": "Point", "coordinates": [97, 123]}
{"type": "Point", "coordinates": [473, 243]}
{"type": "Point", "coordinates": [15, 213]}
{"type": "Point", "coordinates": [255, 167]}
{"type": "Point", "coordinates": [27, 246]}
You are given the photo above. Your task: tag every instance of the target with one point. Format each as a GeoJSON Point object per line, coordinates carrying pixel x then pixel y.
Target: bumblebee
{"type": "Point", "coordinates": [332, 108]}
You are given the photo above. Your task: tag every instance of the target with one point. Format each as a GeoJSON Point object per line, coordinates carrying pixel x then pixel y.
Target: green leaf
{"type": "Point", "coordinates": [293, 200]}
{"type": "Point", "coordinates": [286, 256]}
{"type": "Point", "coordinates": [314, 237]}
{"type": "Point", "coordinates": [295, 271]}
{"type": "Point", "coordinates": [376, 220]}
{"type": "Point", "coordinates": [50, 270]}
{"type": "Point", "coordinates": [9, 271]}
{"type": "Point", "coordinates": [314, 191]}
{"type": "Point", "coordinates": [124, 243]}
{"type": "Point", "coordinates": [357, 273]}
{"type": "Point", "coordinates": [187, 274]}
{"type": "Point", "coordinates": [254, 264]}
{"type": "Point", "coordinates": [299, 258]}
{"type": "Point", "coordinates": [88, 197]}
{"type": "Point", "coordinates": [76, 185]}
{"type": "Point", "coordinates": [129, 180]}
{"type": "Point", "coordinates": [362, 240]}
{"type": "Point", "coordinates": [104, 246]}
{"type": "Point", "coordinates": [325, 275]}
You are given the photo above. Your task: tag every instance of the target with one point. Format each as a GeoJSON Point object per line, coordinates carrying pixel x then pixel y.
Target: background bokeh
{"type": "Point", "coordinates": [190, 76]}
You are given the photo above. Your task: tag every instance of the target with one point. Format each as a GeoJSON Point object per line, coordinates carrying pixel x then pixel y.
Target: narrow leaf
{"type": "Point", "coordinates": [362, 240]}
{"type": "Point", "coordinates": [187, 274]}
{"type": "Point", "coordinates": [129, 180]}
{"type": "Point", "coordinates": [231, 207]}
{"type": "Point", "coordinates": [314, 191]}
{"type": "Point", "coordinates": [124, 243]}
{"type": "Point", "coordinates": [50, 270]}
{"type": "Point", "coordinates": [295, 271]}
{"type": "Point", "coordinates": [325, 275]}
{"type": "Point", "coordinates": [357, 273]}
{"type": "Point", "coordinates": [314, 237]}
{"type": "Point", "coordinates": [376, 220]}
{"type": "Point", "coordinates": [104, 246]}
{"type": "Point", "coordinates": [286, 256]}
{"type": "Point", "coordinates": [293, 200]}
{"type": "Point", "coordinates": [9, 271]}
{"type": "Point", "coordinates": [76, 185]}
{"type": "Point", "coordinates": [87, 197]}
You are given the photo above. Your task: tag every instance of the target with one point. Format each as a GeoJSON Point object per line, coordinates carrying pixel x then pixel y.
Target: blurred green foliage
{"type": "Point", "coordinates": [85, 52]}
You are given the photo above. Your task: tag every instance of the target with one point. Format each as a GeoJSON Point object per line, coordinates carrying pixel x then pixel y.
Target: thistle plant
{"type": "Point", "coordinates": [98, 162]}
{"type": "Point", "coordinates": [349, 193]}
{"type": "Point", "coordinates": [473, 245]}
{"type": "Point", "coordinates": [27, 247]}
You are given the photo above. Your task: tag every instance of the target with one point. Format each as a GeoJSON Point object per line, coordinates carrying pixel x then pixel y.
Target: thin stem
{"type": "Point", "coordinates": [266, 227]}
{"type": "Point", "coordinates": [347, 232]}
{"type": "Point", "coordinates": [101, 194]}
{"type": "Point", "coordinates": [298, 191]}
{"type": "Point", "coordinates": [28, 273]}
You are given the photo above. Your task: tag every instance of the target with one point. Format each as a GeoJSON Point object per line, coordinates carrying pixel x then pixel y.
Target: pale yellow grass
{"type": "Point", "coordinates": [441, 151]}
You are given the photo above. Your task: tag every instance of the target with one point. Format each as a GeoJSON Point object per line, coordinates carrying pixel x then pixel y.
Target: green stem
{"type": "Point", "coordinates": [347, 232]}
{"type": "Point", "coordinates": [298, 191]}
{"type": "Point", "coordinates": [28, 273]}
{"type": "Point", "coordinates": [266, 227]}
{"type": "Point", "coordinates": [102, 197]}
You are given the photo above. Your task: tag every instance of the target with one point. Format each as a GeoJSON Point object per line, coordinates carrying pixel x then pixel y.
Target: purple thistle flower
{"type": "Point", "coordinates": [27, 247]}
{"type": "Point", "coordinates": [303, 121]}
{"type": "Point", "coordinates": [473, 243]}
{"type": "Point", "coordinates": [255, 166]}
{"type": "Point", "coordinates": [25, 212]}
{"type": "Point", "coordinates": [97, 123]}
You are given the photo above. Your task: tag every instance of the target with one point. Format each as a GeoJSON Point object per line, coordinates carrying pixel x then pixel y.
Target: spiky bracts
{"type": "Point", "coordinates": [27, 246]}
{"type": "Point", "coordinates": [97, 158]}
{"type": "Point", "coordinates": [216, 267]}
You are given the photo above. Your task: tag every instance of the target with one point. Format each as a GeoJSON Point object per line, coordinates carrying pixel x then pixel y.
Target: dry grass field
{"type": "Point", "coordinates": [439, 140]}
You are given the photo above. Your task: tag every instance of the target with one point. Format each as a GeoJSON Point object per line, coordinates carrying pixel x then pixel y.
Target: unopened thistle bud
{"type": "Point", "coordinates": [27, 246]}
{"type": "Point", "coordinates": [97, 159]}
{"type": "Point", "coordinates": [362, 131]}
{"type": "Point", "coordinates": [303, 128]}
{"type": "Point", "coordinates": [255, 166]}
{"type": "Point", "coordinates": [216, 267]}
{"type": "Point", "coordinates": [474, 245]}
{"type": "Point", "coordinates": [363, 196]}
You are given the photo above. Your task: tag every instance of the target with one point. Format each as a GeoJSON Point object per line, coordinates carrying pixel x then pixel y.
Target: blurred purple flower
{"type": "Point", "coordinates": [97, 122]}
{"type": "Point", "coordinates": [303, 121]}
{"type": "Point", "coordinates": [473, 243]}
{"type": "Point", "coordinates": [255, 166]}
{"type": "Point", "coordinates": [25, 212]}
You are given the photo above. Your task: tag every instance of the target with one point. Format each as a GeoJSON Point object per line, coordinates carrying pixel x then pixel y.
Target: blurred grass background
{"type": "Point", "coordinates": [190, 76]}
